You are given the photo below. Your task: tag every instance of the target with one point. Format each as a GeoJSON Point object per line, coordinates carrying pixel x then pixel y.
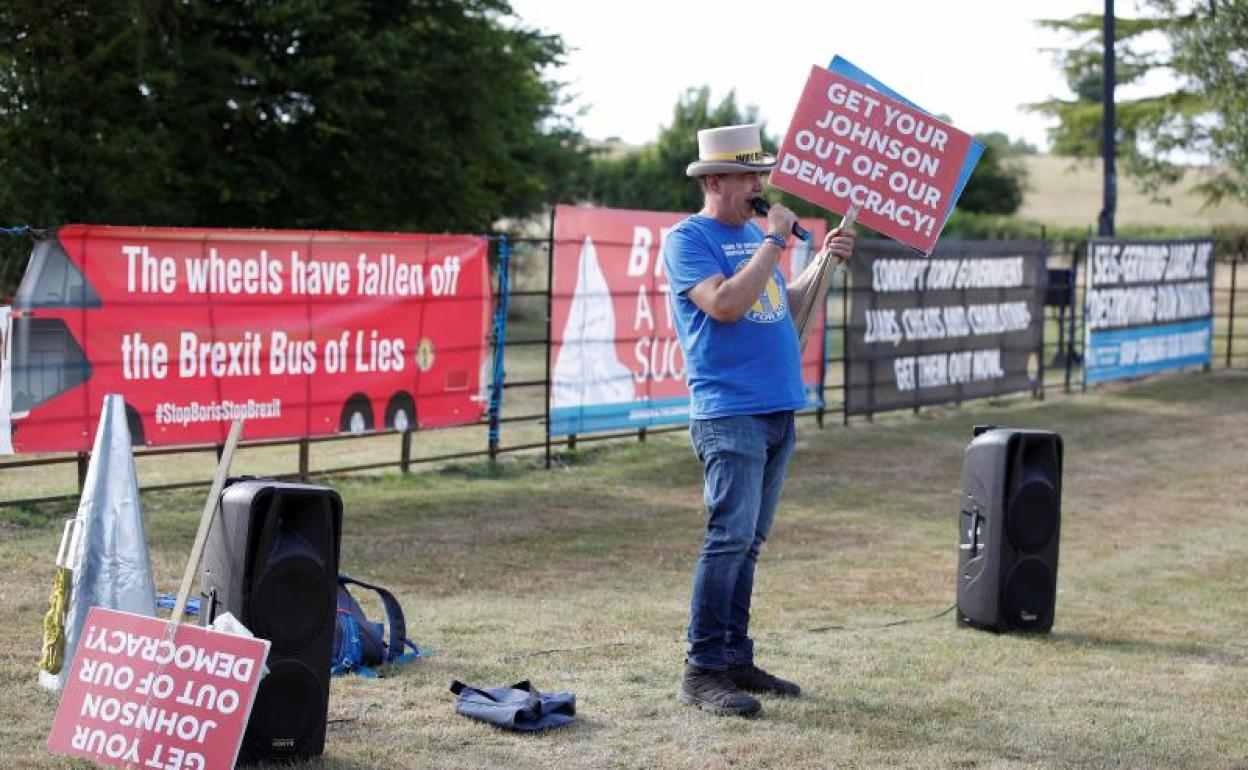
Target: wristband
{"type": "Point", "coordinates": [777, 240]}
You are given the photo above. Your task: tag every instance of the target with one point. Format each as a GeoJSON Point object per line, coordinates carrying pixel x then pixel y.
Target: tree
{"type": "Point", "coordinates": [653, 177]}
{"type": "Point", "coordinates": [997, 184]}
{"type": "Point", "coordinates": [1209, 47]}
{"type": "Point", "coordinates": [1205, 116]}
{"type": "Point", "coordinates": [1006, 146]}
{"type": "Point", "coordinates": [361, 114]}
{"type": "Point", "coordinates": [78, 138]}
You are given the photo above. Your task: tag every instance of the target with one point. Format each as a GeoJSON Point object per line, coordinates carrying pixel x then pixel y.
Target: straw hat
{"type": "Point", "coordinates": [731, 150]}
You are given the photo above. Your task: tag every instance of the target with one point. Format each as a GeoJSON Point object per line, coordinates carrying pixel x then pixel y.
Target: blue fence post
{"type": "Point", "coordinates": [550, 314]}
{"type": "Point", "coordinates": [1230, 324]}
{"type": "Point", "coordinates": [500, 340]}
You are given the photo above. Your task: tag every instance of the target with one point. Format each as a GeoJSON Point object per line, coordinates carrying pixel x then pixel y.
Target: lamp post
{"type": "Point", "coordinates": [1109, 199]}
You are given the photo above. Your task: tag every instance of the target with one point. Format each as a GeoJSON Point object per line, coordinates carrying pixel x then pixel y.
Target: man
{"type": "Point", "coordinates": [732, 312]}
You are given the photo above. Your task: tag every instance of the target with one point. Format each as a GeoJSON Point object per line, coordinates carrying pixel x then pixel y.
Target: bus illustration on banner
{"type": "Point", "coordinates": [303, 333]}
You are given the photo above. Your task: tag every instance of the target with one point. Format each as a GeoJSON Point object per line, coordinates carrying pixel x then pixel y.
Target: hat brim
{"type": "Point", "coordinates": [704, 167]}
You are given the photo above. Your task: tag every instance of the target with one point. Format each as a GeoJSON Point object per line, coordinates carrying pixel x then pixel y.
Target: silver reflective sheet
{"type": "Point", "coordinates": [109, 554]}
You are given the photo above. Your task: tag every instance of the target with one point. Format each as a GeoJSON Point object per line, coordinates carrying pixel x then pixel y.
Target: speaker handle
{"type": "Point", "coordinates": [972, 531]}
{"type": "Point", "coordinates": [210, 605]}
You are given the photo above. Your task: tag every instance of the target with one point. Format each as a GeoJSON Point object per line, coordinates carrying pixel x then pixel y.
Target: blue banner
{"type": "Point", "coordinates": [591, 418]}
{"type": "Point", "coordinates": [1148, 307]}
{"type": "Point", "coordinates": [1136, 352]}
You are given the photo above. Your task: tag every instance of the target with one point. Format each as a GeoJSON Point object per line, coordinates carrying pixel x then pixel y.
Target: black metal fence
{"type": "Point", "coordinates": [519, 409]}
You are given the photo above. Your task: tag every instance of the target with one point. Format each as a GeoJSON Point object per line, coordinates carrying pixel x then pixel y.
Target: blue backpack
{"type": "Point", "coordinates": [360, 643]}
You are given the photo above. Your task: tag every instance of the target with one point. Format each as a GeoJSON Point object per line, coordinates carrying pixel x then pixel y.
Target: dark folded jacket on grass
{"type": "Point", "coordinates": [518, 707]}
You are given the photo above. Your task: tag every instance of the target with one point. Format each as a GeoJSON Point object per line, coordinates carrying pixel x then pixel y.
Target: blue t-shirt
{"type": "Point", "coordinates": [750, 366]}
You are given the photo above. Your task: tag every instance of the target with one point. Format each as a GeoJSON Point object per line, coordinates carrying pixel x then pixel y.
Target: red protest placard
{"type": "Point", "coordinates": [146, 693]}
{"type": "Point", "coordinates": [848, 144]}
{"type": "Point", "coordinates": [301, 332]}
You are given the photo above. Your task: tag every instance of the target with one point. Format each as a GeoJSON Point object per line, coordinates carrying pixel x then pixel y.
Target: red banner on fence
{"type": "Point", "coordinates": [616, 360]}
{"type": "Point", "coordinates": [143, 692]}
{"type": "Point", "coordinates": [302, 333]}
{"type": "Point", "coordinates": [848, 144]}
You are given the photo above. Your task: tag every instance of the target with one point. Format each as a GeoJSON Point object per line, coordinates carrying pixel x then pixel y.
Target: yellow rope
{"type": "Point", "coordinates": [54, 623]}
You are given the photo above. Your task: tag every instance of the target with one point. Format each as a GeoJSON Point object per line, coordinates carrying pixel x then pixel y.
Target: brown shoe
{"type": "Point", "coordinates": [713, 691]}
{"type": "Point", "coordinates": [751, 678]}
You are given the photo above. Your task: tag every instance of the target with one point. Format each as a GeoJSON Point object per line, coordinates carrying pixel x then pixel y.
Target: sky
{"type": "Point", "coordinates": [975, 61]}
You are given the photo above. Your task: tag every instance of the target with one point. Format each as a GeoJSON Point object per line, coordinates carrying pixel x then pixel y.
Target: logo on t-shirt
{"type": "Point", "coordinates": [772, 301]}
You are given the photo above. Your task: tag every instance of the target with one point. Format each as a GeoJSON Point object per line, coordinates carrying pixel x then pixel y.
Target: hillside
{"type": "Point", "coordinates": [1068, 193]}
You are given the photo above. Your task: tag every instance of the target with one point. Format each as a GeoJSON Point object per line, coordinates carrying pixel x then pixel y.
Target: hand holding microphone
{"type": "Point", "coordinates": [778, 217]}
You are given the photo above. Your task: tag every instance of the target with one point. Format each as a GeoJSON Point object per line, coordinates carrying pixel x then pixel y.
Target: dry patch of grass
{"type": "Point", "coordinates": [1066, 192]}
{"type": "Point", "coordinates": [579, 579]}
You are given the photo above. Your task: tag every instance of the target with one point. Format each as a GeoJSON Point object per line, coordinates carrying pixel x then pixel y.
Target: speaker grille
{"type": "Point", "coordinates": [1028, 594]}
{"type": "Point", "coordinates": [291, 604]}
{"type": "Point", "coordinates": [289, 711]}
{"type": "Point", "coordinates": [1032, 516]}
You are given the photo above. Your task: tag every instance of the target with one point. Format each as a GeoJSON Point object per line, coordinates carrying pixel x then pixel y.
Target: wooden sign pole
{"type": "Point", "coordinates": [205, 519]}
{"type": "Point", "coordinates": [817, 292]}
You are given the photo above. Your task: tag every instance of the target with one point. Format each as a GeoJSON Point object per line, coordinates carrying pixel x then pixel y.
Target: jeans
{"type": "Point", "coordinates": [744, 460]}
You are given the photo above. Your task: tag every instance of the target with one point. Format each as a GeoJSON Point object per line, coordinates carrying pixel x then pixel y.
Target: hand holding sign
{"type": "Point", "coordinates": [839, 243]}
{"type": "Point", "coordinates": [838, 247]}
{"type": "Point", "coordinates": [848, 145]}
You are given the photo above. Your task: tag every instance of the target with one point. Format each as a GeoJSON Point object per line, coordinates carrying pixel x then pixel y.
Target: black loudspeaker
{"type": "Point", "coordinates": [271, 561]}
{"type": "Point", "coordinates": [1060, 290]}
{"type": "Point", "coordinates": [1009, 529]}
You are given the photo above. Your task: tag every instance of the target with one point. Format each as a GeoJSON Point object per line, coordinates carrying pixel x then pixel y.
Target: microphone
{"type": "Point", "coordinates": [761, 207]}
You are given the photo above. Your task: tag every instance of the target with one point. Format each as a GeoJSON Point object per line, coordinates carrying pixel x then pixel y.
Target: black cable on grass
{"type": "Point", "coordinates": [889, 624]}
{"type": "Point", "coordinates": [582, 648]}
{"type": "Point", "coordinates": [345, 720]}
{"type": "Point", "coordinates": [819, 630]}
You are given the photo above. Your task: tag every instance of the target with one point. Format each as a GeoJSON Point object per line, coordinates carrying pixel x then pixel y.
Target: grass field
{"type": "Point", "coordinates": [1065, 192]}
{"type": "Point", "coordinates": [578, 578]}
